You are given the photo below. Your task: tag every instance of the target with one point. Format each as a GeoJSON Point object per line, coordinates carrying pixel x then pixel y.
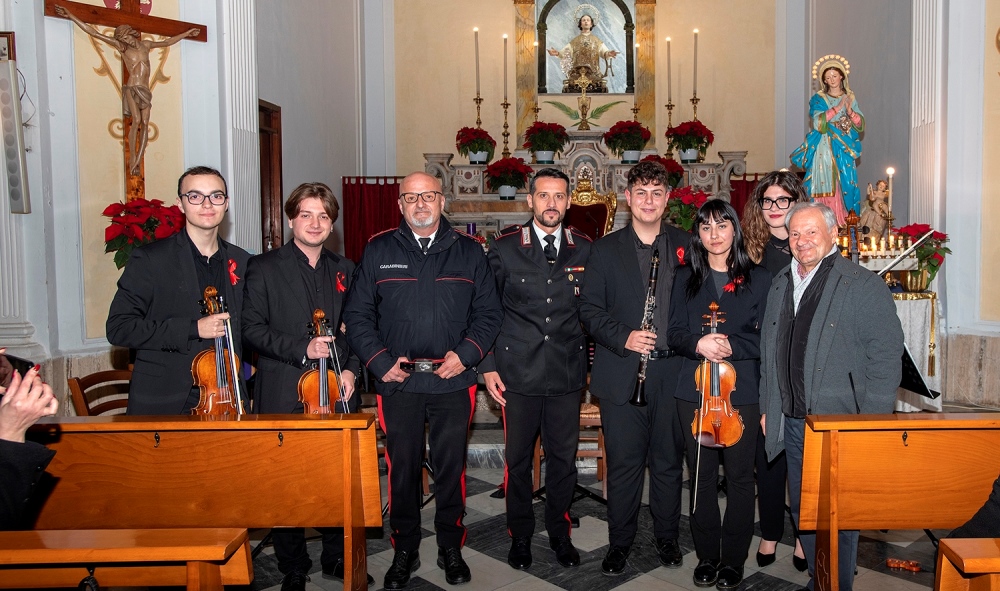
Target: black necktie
{"type": "Point", "coordinates": [424, 243]}
{"type": "Point", "coordinates": [550, 249]}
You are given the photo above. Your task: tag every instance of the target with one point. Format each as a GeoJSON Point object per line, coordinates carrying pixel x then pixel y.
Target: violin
{"type": "Point", "coordinates": [316, 386]}
{"type": "Point", "coordinates": [716, 423]}
{"type": "Point", "coordinates": [215, 369]}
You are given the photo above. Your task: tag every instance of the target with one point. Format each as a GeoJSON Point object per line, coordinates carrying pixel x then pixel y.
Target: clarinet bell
{"type": "Point", "coordinates": [639, 394]}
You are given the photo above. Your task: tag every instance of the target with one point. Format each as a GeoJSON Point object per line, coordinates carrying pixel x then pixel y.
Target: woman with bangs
{"type": "Point", "coordinates": [719, 269]}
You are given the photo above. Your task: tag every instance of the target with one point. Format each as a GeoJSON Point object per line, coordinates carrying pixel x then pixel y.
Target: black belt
{"type": "Point", "coordinates": [661, 353]}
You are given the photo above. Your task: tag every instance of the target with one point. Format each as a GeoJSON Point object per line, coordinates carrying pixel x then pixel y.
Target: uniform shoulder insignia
{"type": "Point", "coordinates": [376, 235]}
{"type": "Point", "coordinates": [508, 231]}
{"type": "Point", "coordinates": [579, 234]}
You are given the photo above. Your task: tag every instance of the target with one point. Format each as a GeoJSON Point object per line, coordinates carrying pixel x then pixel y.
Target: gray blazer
{"type": "Point", "coordinates": [853, 360]}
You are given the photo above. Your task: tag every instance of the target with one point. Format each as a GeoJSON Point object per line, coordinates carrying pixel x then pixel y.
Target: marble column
{"type": "Point", "coordinates": [645, 63]}
{"type": "Point", "coordinates": [525, 69]}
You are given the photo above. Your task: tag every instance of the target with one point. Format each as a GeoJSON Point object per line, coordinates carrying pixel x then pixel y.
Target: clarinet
{"type": "Point", "coordinates": [639, 395]}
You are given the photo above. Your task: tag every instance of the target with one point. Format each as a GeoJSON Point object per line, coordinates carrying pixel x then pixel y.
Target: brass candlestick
{"type": "Point", "coordinates": [536, 110]}
{"type": "Point", "coordinates": [583, 101]}
{"type": "Point", "coordinates": [635, 112]}
{"type": "Point", "coordinates": [694, 103]}
{"type": "Point", "coordinates": [670, 123]}
{"type": "Point", "coordinates": [479, 101]}
{"type": "Point", "coordinates": [506, 133]}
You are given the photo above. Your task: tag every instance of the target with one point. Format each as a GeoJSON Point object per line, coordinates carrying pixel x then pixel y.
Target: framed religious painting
{"type": "Point", "coordinates": [6, 46]}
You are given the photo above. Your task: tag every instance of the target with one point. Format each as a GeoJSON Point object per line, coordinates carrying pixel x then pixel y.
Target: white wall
{"type": "Point", "coordinates": [308, 64]}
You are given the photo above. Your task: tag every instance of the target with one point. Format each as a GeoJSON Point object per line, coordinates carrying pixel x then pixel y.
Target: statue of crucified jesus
{"type": "Point", "coordinates": [137, 97]}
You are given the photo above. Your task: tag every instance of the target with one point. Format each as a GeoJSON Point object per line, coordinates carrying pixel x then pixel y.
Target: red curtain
{"type": "Point", "coordinates": [741, 191]}
{"type": "Point", "coordinates": [371, 205]}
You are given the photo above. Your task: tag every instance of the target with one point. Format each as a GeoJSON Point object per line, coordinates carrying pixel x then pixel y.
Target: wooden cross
{"type": "Point", "coordinates": [128, 14]}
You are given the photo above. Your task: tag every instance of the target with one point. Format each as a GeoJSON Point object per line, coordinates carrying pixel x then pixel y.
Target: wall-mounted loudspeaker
{"type": "Point", "coordinates": [15, 170]}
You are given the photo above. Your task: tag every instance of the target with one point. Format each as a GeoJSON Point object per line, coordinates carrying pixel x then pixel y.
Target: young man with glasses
{"type": "Point", "coordinates": [421, 314]}
{"type": "Point", "coordinates": [156, 310]}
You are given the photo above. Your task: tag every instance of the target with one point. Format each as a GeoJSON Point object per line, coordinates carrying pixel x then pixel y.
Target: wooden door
{"type": "Point", "coordinates": [272, 223]}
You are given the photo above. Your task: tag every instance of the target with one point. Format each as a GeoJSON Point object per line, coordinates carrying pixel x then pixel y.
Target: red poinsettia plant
{"type": "Point", "coordinates": [930, 254]}
{"type": "Point", "coordinates": [626, 135]}
{"type": "Point", "coordinates": [545, 137]}
{"type": "Point", "coordinates": [690, 135]}
{"type": "Point", "coordinates": [508, 171]}
{"type": "Point", "coordinates": [675, 172]}
{"type": "Point", "coordinates": [475, 139]}
{"type": "Point", "coordinates": [136, 223]}
{"type": "Point", "coordinates": [682, 206]}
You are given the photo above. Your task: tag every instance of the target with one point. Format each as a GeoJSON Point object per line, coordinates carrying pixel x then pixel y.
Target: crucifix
{"type": "Point", "coordinates": [136, 93]}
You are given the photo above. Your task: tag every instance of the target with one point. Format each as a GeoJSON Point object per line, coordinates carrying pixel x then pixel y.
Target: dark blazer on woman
{"type": "Point", "coordinates": [276, 316]}
{"type": "Point", "coordinates": [152, 312]}
{"type": "Point", "coordinates": [743, 312]}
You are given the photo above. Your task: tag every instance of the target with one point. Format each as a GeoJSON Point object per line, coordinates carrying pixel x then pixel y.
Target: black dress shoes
{"type": "Point", "coordinates": [616, 560]}
{"type": "Point", "coordinates": [669, 553]}
{"type": "Point", "coordinates": [566, 554]}
{"type": "Point", "coordinates": [765, 559]}
{"type": "Point", "coordinates": [337, 572]}
{"type": "Point", "coordinates": [519, 556]}
{"type": "Point", "coordinates": [801, 564]}
{"type": "Point", "coordinates": [730, 577]}
{"type": "Point", "coordinates": [456, 572]}
{"type": "Point", "coordinates": [706, 573]}
{"type": "Point", "coordinates": [294, 581]}
{"type": "Point", "coordinates": [404, 562]}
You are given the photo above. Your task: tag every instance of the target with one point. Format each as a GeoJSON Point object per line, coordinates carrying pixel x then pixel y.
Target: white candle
{"type": "Point", "coordinates": [505, 67]}
{"type": "Point", "coordinates": [475, 31]}
{"type": "Point", "coordinates": [694, 87]}
{"type": "Point", "coordinates": [890, 171]}
{"type": "Point", "coordinates": [668, 71]}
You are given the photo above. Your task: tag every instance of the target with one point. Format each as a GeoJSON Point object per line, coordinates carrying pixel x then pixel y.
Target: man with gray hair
{"type": "Point", "coordinates": [831, 343]}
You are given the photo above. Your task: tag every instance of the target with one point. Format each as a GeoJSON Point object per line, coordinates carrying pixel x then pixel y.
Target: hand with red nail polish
{"type": "Point", "coordinates": [27, 399]}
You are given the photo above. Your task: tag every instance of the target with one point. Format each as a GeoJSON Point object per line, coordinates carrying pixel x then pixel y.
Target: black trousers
{"type": "Point", "coordinates": [636, 437]}
{"type": "Point", "coordinates": [558, 418]}
{"type": "Point", "coordinates": [715, 538]}
{"type": "Point", "coordinates": [290, 542]}
{"type": "Point", "coordinates": [448, 416]}
{"type": "Point", "coordinates": [771, 486]}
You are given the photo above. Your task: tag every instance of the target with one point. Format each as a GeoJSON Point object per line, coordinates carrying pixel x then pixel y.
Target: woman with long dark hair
{"type": "Point", "coordinates": [719, 270]}
{"type": "Point", "coordinates": [767, 244]}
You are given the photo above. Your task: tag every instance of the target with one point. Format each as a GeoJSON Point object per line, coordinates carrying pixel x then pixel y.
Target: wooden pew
{"type": "Point", "coordinates": [259, 471]}
{"type": "Point", "coordinates": [902, 471]}
{"type": "Point", "coordinates": [202, 558]}
{"type": "Point", "coordinates": [968, 565]}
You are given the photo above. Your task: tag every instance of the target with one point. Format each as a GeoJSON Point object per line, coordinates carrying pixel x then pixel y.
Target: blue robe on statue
{"type": "Point", "coordinates": [829, 153]}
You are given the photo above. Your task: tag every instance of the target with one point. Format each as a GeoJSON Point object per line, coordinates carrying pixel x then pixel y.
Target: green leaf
{"type": "Point", "coordinates": [121, 257]}
{"type": "Point", "coordinates": [568, 111]}
{"type": "Point", "coordinates": [596, 113]}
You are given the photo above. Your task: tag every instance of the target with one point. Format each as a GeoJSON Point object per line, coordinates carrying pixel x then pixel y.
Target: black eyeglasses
{"type": "Point", "coordinates": [426, 196]}
{"type": "Point", "coordinates": [781, 202]}
{"type": "Point", "coordinates": [196, 198]}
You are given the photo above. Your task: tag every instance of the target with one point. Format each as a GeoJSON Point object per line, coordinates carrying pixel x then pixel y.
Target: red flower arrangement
{"type": "Point", "coordinates": [690, 135]}
{"type": "Point", "coordinates": [682, 206]}
{"type": "Point", "coordinates": [136, 223]}
{"type": "Point", "coordinates": [474, 139]}
{"type": "Point", "coordinates": [507, 171]}
{"type": "Point", "coordinates": [930, 254]}
{"type": "Point", "coordinates": [546, 137]}
{"type": "Point", "coordinates": [626, 135]}
{"type": "Point", "coordinates": [675, 172]}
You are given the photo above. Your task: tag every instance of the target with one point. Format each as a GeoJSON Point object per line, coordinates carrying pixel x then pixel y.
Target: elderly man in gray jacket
{"type": "Point", "coordinates": [831, 343]}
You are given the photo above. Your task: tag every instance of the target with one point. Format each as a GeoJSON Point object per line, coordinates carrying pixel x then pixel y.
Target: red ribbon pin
{"type": "Point", "coordinates": [233, 279]}
{"type": "Point", "coordinates": [340, 282]}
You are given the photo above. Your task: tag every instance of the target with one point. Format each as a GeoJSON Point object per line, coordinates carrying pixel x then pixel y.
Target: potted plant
{"type": "Point", "coordinates": [475, 143]}
{"type": "Point", "coordinates": [136, 223]}
{"type": "Point", "coordinates": [675, 172]}
{"type": "Point", "coordinates": [682, 206]}
{"type": "Point", "coordinates": [690, 139]}
{"type": "Point", "coordinates": [930, 255]}
{"type": "Point", "coordinates": [507, 175]}
{"type": "Point", "coordinates": [544, 140]}
{"type": "Point", "coordinates": [626, 139]}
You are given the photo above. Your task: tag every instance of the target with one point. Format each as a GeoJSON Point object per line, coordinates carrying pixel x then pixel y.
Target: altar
{"type": "Point", "coordinates": [467, 199]}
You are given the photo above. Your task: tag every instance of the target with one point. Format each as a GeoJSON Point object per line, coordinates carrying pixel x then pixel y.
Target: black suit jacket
{"type": "Point", "coordinates": [276, 317]}
{"type": "Point", "coordinates": [541, 349]}
{"type": "Point", "coordinates": [611, 305]}
{"type": "Point", "coordinates": [157, 300]}
{"type": "Point", "coordinates": [743, 313]}
{"type": "Point", "coordinates": [21, 467]}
